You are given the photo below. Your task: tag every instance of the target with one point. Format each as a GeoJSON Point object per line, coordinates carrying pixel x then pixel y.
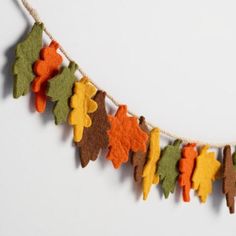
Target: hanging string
{"type": "Point", "coordinates": [36, 17]}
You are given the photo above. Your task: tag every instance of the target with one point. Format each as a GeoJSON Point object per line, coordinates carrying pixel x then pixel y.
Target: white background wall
{"type": "Point", "coordinates": [172, 61]}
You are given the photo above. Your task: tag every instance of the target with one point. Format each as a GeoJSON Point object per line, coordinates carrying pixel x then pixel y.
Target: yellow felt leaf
{"type": "Point", "coordinates": [90, 90]}
{"type": "Point", "coordinates": [92, 106]}
{"type": "Point", "coordinates": [87, 121]}
{"type": "Point", "coordinates": [205, 173]}
{"type": "Point", "coordinates": [81, 102]}
{"type": "Point", "coordinates": [150, 175]}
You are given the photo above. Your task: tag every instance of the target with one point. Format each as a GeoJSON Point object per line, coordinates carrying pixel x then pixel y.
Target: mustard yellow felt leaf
{"type": "Point", "coordinates": [81, 103]}
{"type": "Point", "coordinates": [205, 173]}
{"type": "Point", "coordinates": [150, 175]}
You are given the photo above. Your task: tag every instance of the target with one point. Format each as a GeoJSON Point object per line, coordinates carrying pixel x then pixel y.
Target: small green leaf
{"type": "Point", "coordinates": [60, 89]}
{"type": "Point", "coordinates": [27, 52]}
{"type": "Point", "coordinates": [234, 160]}
{"type": "Point", "coordinates": [167, 167]}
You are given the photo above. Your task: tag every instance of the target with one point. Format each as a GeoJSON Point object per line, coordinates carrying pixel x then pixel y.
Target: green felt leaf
{"type": "Point", "coordinates": [60, 89]}
{"type": "Point", "coordinates": [234, 160]}
{"type": "Point", "coordinates": [167, 167]}
{"type": "Point", "coordinates": [27, 52]}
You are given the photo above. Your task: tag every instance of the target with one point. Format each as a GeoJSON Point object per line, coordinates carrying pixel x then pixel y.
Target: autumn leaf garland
{"type": "Point", "coordinates": [78, 102]}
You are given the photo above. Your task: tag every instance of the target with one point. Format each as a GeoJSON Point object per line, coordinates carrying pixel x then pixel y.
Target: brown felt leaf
{"type": "Point", "coordinates": [95, 137]}
{"type": "Point", "coordinates": [229, 178]}
{"type": "Point", "coordinates": [138, 159]}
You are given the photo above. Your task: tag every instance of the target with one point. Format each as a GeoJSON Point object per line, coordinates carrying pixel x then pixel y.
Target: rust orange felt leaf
{"type": "Point", "coordinates": [186, 168]}
{"type": "Point", "coordinates": [45, 68]}
{"type": "Point", "coordinates": [125, 135]}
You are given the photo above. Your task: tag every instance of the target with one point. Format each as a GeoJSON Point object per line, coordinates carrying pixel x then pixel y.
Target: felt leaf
{"type": "Point", "coordinates": [167, 167]}
{"type": "Point", "coordinates": [27, 53]}
{"type": "Point", "coordinates": [60, 89]}
{"type": "Point", "coordinates": [229, 178]}
{"type": "Point", "coordinates": [186, 168]}
{"type": "Point", "coordinates": [205, 173]}
{"type": "Point", "coordinates": [138, 159]}
{"type": "Point", "coordinates": [125, 135]}
{"type": "Point", "coordinates": [150, 175]}
{"type": "Point", "coordinates": [45, 68]}
{"type": "Point", "coordinates": [95, 137]}
{"type": "Point", "coordinates": [81, 103]}
{"type": "Point", "coordinates": [234, 160]}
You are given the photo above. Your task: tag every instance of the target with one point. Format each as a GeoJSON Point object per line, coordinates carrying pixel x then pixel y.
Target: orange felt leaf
{"type": "Point", "coordinates": [186, 168]}
{"type": "Point", "coordinates": [45, 68]}
{"type": "Point", "coordinates": [125, 135]}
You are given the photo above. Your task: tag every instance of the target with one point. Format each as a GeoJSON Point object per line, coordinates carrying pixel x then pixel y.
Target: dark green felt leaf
{"type": "Point", "coordinates": [234, 160]}
{"type": "Point", "coordinates": [27, 52]}
{"type": "Point", "coordinates": [167, 167]}
{"type": "Point", "coordinates": [60, 89]}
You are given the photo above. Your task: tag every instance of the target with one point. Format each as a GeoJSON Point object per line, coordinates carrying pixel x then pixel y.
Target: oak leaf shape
{"type": "Point", "coordinates": [45, 68]}
{"type": "Point", "coordinates": [27, 53]}
{"type": "Point", "coordinates": [167, 167]}
{"type": "Point", "coordinates": [138, 159]}
{"type": "Point", "coordinates": [205, 173]}
{"type": "Point", "coordinates": [82, 104]}
{"type": "Point", "coordinates": [186, 168]}
{"type": "Point", "coordinates": [95, 137]}
{"type": "Point", "coordinates": [150, 175]}
{"type": "Point", "coordinates": [125, 135]}
{"type": "Point", "coordinates": [60, 89]}
{"type": "Point", "coordinates": [229, 178]}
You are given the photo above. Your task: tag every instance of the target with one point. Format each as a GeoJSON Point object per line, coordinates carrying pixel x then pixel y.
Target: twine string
{"type": "Point", "coordinates": [164, 132]}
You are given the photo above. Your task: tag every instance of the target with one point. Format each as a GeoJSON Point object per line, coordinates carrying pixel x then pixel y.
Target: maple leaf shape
{"type": "Point", "coordinates": [95, 137]}
{"type": "Point", "coordinates": [167, 167]}
{"type": "Point", "coordinates": [205, 172]}
{"type": "Point", "coordinates": [186, 168]}
{"type": "Point", "coordinates": [229, 178]}
{"type": "Point", "coordinates": [125, 135]}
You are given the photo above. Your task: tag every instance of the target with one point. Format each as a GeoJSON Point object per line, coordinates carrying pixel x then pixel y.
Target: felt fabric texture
{"type": "Point", "coordinates": [167, 167]}
{"type": "Point", "coordinates": [125, 135]}
{"type": "Point", "coordinates": [205, 173]}
{"type": "Point", "coordinates": [60, 89]}
{"type": "Point", "coordinates": [150, 175]}
{"type": "Point", "coordinates": [138, 159]}
{"type": "Point", "coordinates": [234, 160]}
{"type": "Point", "coordinates": [45, 68]}
{"type": "Point", "coordinates": [229, 178]}
{"type": "Point", "coordinates": [27, 52]}
{"type": "Point", "coordinates": [95, 137]}
{"type": "Point", "coordinates": [82, 104]}
{"type": "Point", "coordinates": [186, 168]}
